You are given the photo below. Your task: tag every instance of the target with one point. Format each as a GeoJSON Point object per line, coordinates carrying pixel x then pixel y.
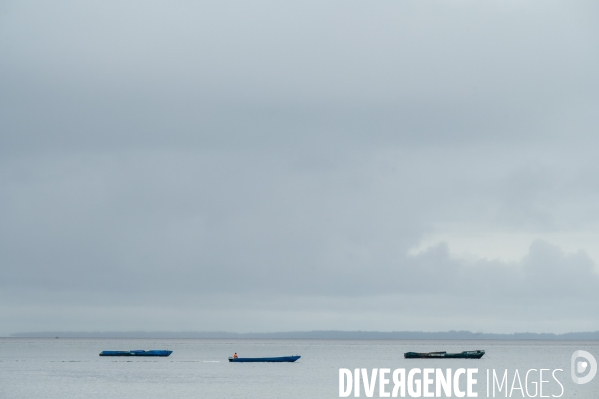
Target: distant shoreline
{"type": "Point", "coordinates": [350, 335]}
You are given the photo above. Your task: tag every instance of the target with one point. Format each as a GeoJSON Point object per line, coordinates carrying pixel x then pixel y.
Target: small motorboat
{"type": "Point", "coordinates": [159, 353]}
{"type": "Point", "coordinates": [264, 359]}
{"type": "Point", "coordinates": [444, 355]}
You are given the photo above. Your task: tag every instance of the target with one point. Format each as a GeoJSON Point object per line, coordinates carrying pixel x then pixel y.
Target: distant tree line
{"type": "Point", "coordinates": [407, 335]}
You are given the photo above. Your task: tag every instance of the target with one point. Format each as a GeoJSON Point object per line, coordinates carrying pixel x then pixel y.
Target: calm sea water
{"type": "Point", "coordinates": [198, 368]}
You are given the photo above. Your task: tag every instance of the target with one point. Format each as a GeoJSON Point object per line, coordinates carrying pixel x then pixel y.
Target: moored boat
{"type": "Point", "coordinates": [264, 359]}
{"type": "Point", "coordinates": [158, 353]}
{"type": "Point", "coordinates": [444, 355]}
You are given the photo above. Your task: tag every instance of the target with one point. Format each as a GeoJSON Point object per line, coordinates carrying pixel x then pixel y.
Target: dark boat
{"type": "Point", "coordinates": [264, 359]}
{"type": "Point", "coordinates": [444, 355]}
{"type": "Point", "coordinates": [159, 353]}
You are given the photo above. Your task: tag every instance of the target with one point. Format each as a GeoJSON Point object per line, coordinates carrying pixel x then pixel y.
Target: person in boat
{"type": "Point", "coordinates": [235, 355]}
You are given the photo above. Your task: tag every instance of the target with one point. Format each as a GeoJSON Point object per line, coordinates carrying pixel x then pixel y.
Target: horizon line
{"type": "Point", "coordinates": [313, 334]}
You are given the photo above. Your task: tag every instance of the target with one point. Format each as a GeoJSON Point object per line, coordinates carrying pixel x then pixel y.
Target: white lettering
{"type": "Point", "coordinates": [443, 382]}
{"type": "Point", "coordinates": [414, 393]}
{"type": "Point", "coordinates": [383, 382]}
{"type": "Point", "coordinates": [369, 387]}
{"type": "Point", "coordinates": [503, 380]}
{"type": "Point", "coordinates": [426, 382]}
{"type": "Point", "coordinates": [470, 382]}
{"type": "Point", "coordinates": [560, 384]}
{"type": "Point", "coordinates": [517, 375]}
{"type": "Point", "coordinates": [344, 388]}
{"type": "Point", "coordinates": [422, 387]}
{"type": "Point", "coordinates": [456, 383]}
{"type": "Point", "coordinates": [399, 383]}
{"type": "Point", "coordinates": [526, 384]}
{"type": "Point", "coordinates": [541, 383]}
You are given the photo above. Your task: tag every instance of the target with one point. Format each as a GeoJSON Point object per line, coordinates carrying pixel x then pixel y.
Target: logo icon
{"type": "Point", "coordinates": [579, 366]}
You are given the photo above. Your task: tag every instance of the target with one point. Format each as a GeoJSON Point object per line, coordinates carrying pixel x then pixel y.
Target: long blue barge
{"type": "Point", "coordinates": [264, 359]}
{"type": "Point", "coordinates": [158, 353]}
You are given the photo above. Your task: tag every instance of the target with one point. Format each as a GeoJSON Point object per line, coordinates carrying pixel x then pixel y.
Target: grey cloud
{"type": "Point", "coordinates": [187, 222]}
{"type": "Point", "coordinates": [261, 158]}
{"type": "Point", "coordinates": [93, 77]}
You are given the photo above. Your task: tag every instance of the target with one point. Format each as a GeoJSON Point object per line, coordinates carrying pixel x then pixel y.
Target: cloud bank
{"type": "Point", "coordinates": [269, 167]}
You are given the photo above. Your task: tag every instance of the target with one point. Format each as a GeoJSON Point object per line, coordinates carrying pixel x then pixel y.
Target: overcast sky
{"type": "Point", "coordinates": [266, 166]}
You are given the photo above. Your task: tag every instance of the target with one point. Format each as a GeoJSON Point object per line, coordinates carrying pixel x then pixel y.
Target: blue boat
{"type": "Point", "coordinates": [264, 359]}
{"type": "Point", "coordinates": [159, 353]}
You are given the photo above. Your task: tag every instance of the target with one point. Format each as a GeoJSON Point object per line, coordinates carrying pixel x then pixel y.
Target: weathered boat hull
{"type": "Point", "coordinates": [264, 359]}
{"type": "Point", "coordinates": [444, 355]}
{"type": "Point", "coordinates": [152, 353]}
